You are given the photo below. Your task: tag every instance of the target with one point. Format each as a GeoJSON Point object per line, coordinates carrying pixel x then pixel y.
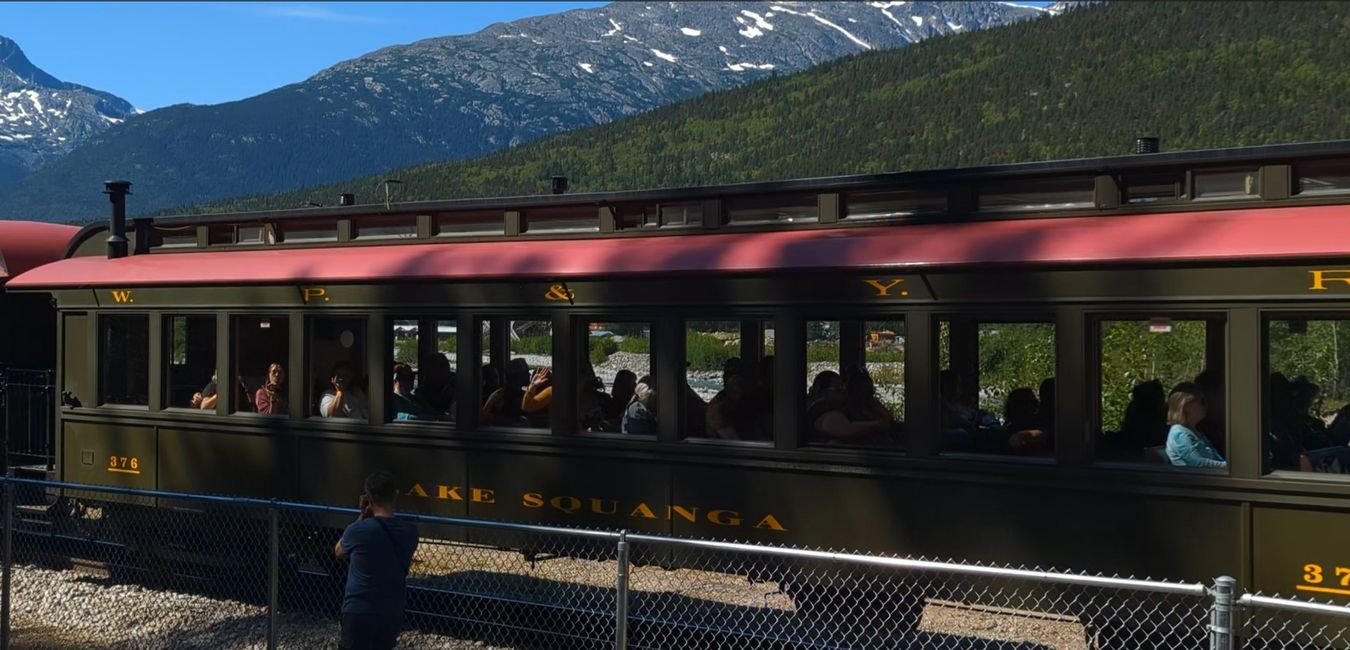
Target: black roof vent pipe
{"type": "Point", "coordinates": [117, 192]}
{"type": "Point", "coordinates": [559, 184]}
{"type": "Point", "coordinates": [1147, 144]}
{"type": "Point", "coordinates": [346, 199]}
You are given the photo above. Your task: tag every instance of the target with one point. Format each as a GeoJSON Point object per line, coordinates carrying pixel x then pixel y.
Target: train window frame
{"type": "Point", "coordinates": [898, 449]}
{"type": "Point", "coordinates": [1092, 322]}
{"type": "Point", "coordinates": [980, 315]}
{"type": "Point", "coordinates": [580, 325]}
{"type": "Point", "coordinates": [1267, 316]}
{"type": "Point", "coordinates": [314, 389]}
{"type": "Point", "coordinates": [151, 371]}
{"type": "Point", "coordinates": [388, 321]}
{"type": "Point", "coordinates": [742, 317]}
{"type": "Point", "coordinates": [166, 359]}
{"type": "Point", "coordinates": [233, 320]}
{"type": "Point", "coordinates": [479, 317]}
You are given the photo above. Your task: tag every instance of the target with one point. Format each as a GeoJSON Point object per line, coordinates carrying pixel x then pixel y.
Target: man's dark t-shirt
{"type": "Point", "coordinates": [380, 550]}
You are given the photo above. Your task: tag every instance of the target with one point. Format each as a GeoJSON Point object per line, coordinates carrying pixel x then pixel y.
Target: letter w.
{"type": "Point", "coordinates": [121, 296]}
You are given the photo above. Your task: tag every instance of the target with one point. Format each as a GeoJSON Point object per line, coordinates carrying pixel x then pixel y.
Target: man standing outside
{"type": "Point", "coordinates": [380, 548]}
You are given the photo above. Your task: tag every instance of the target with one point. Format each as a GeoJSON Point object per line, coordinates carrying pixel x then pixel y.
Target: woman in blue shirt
{"type": "Point", "coordinates": [1187, 447]}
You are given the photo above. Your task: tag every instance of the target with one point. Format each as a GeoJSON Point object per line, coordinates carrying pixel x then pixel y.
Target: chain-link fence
{"type": "Point", "coordinates": [116, 568]}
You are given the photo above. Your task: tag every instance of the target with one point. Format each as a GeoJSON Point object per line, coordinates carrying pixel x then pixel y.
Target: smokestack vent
{"type": "Point", "coordinates": [346, 199]}
{"type": "Point", "coordinates": [1147, 144]}
{"type": "Point", "coordinates": [559, 184]}
{"type": "Point", "coordinates": [117, 192]}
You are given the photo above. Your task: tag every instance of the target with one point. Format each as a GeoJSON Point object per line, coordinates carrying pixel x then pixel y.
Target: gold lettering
{"type": "Point", "coordinates": [597, 509]}
{"type": "Point", "coordinates": [884, 289]}
{"type": "Point", "coordinates": [1320, 278]}
{"type": "Point", "coordinates": [450, 492]}
{"type": "Point", "coordinates": [122, 297]}
{"type": "Point", "coordinates": [310, 294]}
{"type": "Point", "coordinates": [642, 510]}
{"type": "Point", "coordinates": [724, 517]}
{"type": "Point", "coordinates": [483, 495]}
{"type": "Point", "coordinates": [690, 514]}
{"type": "Point", "coordinates": [417, 491]}
{"type": "Point", "coordinates": [532, 500]}
{"type": "Point", "coordinates": [559, 292]}
{"type": "Point", "coordinates": [771, 522]}
{"type": "Point", "coordinates": [573, 504]}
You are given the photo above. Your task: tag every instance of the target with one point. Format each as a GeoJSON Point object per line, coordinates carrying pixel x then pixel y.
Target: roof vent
{"type": "Point", "coordinates": [1147, 144]}
{"type": "Point", "coordinates": [117, 192]}
{"type": "Point", "coordinates": [346, 199]}
{"type": "Point", "coordinates": [559, 184]}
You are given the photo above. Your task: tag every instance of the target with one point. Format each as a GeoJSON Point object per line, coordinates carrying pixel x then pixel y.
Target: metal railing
{"type": "Point", "coordinates": [182, 570]}
{"type": "Point", "coordinates": [26, 410]}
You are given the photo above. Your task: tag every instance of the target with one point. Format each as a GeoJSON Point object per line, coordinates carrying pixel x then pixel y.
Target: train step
{"type": "Point", "coordinates": [36, 472]}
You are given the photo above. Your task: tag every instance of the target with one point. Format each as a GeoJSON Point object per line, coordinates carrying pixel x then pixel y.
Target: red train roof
{"type": "Point", "coordinates": [26, 244]}
{"type": "Point", "coordinates": [1264, 233]}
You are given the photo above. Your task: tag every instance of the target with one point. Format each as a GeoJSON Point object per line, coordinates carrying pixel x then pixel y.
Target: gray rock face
{"type": "Point", "coordinates": [43, 118]}
{"type": "Point", "coordinates": [457, 97]}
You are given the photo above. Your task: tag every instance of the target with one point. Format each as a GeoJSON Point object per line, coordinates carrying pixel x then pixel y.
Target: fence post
{"type": "Point", "coordinates": [621, 595]}
{"type": "Point", "coordinates": [1221, 613]}
{"type": "Point", "coordinates": [8, 564]}
{"type": "Point", "coordinates": [273, 577]}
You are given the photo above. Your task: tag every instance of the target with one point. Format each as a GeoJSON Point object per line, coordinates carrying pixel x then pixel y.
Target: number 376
{"type": "Point", "coordinates": [1313, 574]}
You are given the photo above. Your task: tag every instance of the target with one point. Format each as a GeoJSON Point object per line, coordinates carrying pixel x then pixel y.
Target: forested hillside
{"type": "Point", "coordinates": [1197, 74]}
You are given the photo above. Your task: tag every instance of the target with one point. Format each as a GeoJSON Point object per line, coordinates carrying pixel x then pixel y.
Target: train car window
{"type": "Point", "coordinates": [305, 230]}
{"type": "Point", "coordinates": [339, 385]}
{"type": "Point", "coordinates": [517, 389]}
{"type": "Point", "coordinates": [884, 360]}
{"type": "Point", "coordinates": [1036, 194]}
{"type": "Point", "coordinates": [1141, 363]}
{"type": "Point", "coordinates": [261, 345]}
{"type": "Point", "coordinates": [422, 384]}
{"type": "Point", "coordinates": [616, 391]}
{"type": "Point", "coordinates": [861, 206]}
{"type": "Point", "coordinates": [1227, 183]}
{"type": "Point", "coordinates": [174, 236]}
{"type": "Point", "coordinates": [681, 215]}
{"type": "Point", "coordinates": [1323, 177]}
{"type": "Point", "coordinates": [774, 209]}
{"type": "Point", "coordinates": [124, 359]}
{"type": "Point", "coordinates": [996, 386]}
{"type": "Point", "coordinates": [1307, 396]}
{"type": "Point", "coordinates": [248, 233]}
{"type": "Point", "coordinates": [190, 377]}
{"type": "Point", "coordinates": [558, 220]}
{"type": "Point", "coordinates": [470, 223]}
{"type": "Point", "coordinates": [1153, 187]}
{"type": "Point", "coordinates": [855, 389]}
{"type": "Point", "coordinates": [393, 226]}
{"type": "Point", "coordinates": [729, 380]}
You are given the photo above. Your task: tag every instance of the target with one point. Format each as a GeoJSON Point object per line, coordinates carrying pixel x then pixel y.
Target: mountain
{"type": "Point", "coordinates": [463, 96]}
{"type": "Point", "coordinates": [42, 118]}
{"type": "Point", "coordinates": [1197, 74]}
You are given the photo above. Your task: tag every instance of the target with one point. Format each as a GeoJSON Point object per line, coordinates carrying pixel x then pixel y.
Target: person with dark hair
{"type": "Point", "coordinates": [1187, 447]}
{"type": "Point", "coordinates": [621, 395]}
{"type": "Point", "coordinates": [1210, 384]}
{"type": "Point", "coordinates": [379, 548]}
{"type": "Point", "coordinates": [1145, 421]}
{"type": "Point", "coordinates": [502, 408]}
{"type": "Point", "coordinates": [435, 384]}
{"type": "Point", "coordinates": [1022, 422]}
{"type": "Point", "coordinates": [593, 404]}
{"type": "Point", "coordinates": [731, 413]}
{"type": "Point", "coordinates": [402, 403]}
{"type": "Point", "coordinates": [828, 403]}
{"type": "Point", "coordinates": [344, 399]}
{"type": "Point", "coordinates": [209, 396]}
{"type": "Point", "coordinates": [271, 398]}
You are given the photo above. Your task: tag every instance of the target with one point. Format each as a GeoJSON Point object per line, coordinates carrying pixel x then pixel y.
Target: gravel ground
{"type": "Point", "coordinates": [67, 609]}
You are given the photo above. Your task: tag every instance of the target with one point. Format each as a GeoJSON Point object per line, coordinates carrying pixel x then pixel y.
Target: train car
{"type": "Point", "coordinates": [1003, 340]}
{"type": "Point", "coordinates": [27, 342]}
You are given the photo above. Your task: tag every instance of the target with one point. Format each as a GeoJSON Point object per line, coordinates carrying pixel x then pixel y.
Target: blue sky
{"type": "Point", "coordinates": [159, 53]}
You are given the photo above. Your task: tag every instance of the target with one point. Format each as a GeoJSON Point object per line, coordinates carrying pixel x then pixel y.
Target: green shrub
{"type": "Point", "coordinates": [405, 351]}
{"type": "Point", "coordinates": [636, 345]}
{"type": "Point", "coordinates": [601, 348]}
{"type": "Point", "coordinates": [532, 345]}
{"type": "Point", "coordinates": [707, 352]}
